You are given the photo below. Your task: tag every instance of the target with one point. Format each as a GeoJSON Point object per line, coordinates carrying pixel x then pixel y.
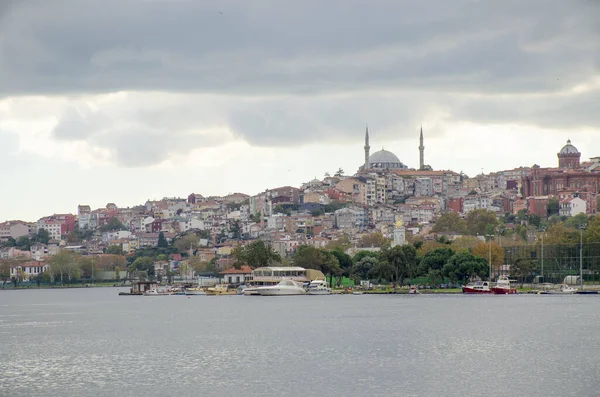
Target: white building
{"type": "Point", "coordinates": [52, 227]}
{"type": "Point", "coordinates": [572, 206]}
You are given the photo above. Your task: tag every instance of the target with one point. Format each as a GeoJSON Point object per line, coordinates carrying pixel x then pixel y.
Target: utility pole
{"type": "Point", "coordinates": [581, 254]}
{"type": "Point", "coordinates": [542, 257]}
{"type": "Point", "coordinates": [489, 236]}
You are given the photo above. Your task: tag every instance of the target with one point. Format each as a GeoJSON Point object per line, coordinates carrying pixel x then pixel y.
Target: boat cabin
{"type": "Point", "coordinates": [142, 286]}
{"type": "Point", "coordinates": [273, 275]}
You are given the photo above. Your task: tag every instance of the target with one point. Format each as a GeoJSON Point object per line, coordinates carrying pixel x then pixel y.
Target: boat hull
{"type": "Point", "coordinates": [280, 292]}
{"type": "Point", "coordinates": [469, 290]}
{"type": "Point", "coordinates": [319, 292]}
{"type": "Point", "coordinates": [200, 292]}
{"type": "Point", "coordinates": [504, 291]}
{"type": "Point", "coordinates": [217, 293]}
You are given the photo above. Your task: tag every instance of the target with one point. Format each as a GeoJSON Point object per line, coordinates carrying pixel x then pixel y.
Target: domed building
{"type": "Point", "coordinates": [381, 160]}
{"type": "Point", "coordinates": [569, 156]}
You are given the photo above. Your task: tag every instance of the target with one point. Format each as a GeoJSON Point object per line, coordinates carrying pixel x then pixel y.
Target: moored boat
{"type": "Point", "coordinates": [503, 287]}
{"type": "Point", "coordinates": [564, 290]}
{"type": "Point", "coordinates": [220, 289]}
{"type": "Point", "coordinates": [156, 292]}
{"type": "Point", "coordinates": [318, 287]}
{"type": "Point", "coordinates": [194, 291]}
{"type": "Point", "coordinates": [285, 287]}
{"type": "Point", "coordinates": [479, 287]}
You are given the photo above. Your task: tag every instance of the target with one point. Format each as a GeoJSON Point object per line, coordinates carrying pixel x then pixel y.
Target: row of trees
{"type": "Point", "coordinates": [65, 267]}
{"type": "Point", "coordinates": [436, 260]}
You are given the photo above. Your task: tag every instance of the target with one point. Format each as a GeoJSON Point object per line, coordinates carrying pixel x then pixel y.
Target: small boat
{"type": "Point", "coordinates": [194, 291]}
{"type": "Point", "coordinates": [156, 292]}
{"type": "Point", "coordinates": [220, 289]}
{"type": "Point", "coordinates": [480, 287]}
{"type": "Point", "coordinates": [564, 289]}
{"type": "Point", "coordinates": [285, 287]}
{"type": "Point", "coordinates": [358, 292]}
{"type": "Point", "coordinates": [318, 287]}
{"type": "Point", "coordinates": [503, 287]}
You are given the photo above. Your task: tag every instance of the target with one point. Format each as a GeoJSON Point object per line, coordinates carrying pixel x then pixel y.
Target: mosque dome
{"type": "Point", "coordinates": [568, 149]}
{"type": "Point", "coordinates": [385, 160]}
{"type": "Point", "coordinates": [383, 156]}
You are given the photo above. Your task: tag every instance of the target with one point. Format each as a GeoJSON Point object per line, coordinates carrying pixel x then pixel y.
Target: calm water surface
{"type": "Point", "coordinates": [92, 342]}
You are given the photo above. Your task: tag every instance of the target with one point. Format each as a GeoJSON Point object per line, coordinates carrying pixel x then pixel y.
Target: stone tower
{"type": "Point", "coordinates": [569, 156]}
{"type": "Point", "coordinates": [367, 148]}
{"type": "Point", "coordinates": [421, 151]}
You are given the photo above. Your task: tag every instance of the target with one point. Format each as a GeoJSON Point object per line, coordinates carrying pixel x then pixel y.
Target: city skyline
{"type": "Point", "coordinates": [110, 104]}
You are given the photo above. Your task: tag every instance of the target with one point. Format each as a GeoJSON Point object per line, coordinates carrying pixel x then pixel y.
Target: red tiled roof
{"type": "Point", "coordinates": [243, 270]}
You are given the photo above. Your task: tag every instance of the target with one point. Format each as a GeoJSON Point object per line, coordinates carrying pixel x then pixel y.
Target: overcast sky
{"type": "Point", "coordinates": [127, 100]}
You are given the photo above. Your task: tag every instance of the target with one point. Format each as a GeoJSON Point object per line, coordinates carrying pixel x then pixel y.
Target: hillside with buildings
{"type": "Point", "coordinates": [384, 204]}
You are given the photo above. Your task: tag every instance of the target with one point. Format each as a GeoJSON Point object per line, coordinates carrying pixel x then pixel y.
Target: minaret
{"type": "Point", "coordinates": [421, 151]}
{"type": "Point", "coordinates": [367, 148]}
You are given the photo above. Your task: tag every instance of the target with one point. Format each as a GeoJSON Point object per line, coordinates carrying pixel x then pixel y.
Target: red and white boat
{"type": "Point", "coordinates": [503, 287]}
{"type": "Point", "coordinates": [480, 287]}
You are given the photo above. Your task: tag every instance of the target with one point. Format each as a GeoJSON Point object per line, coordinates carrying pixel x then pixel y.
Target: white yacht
{"type": "Point", "coordinates": [318, 287]}
{"type": "Point", "coordinates": [285, 287]}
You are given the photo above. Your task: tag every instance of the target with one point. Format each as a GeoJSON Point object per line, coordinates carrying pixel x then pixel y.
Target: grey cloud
{"type": "Point", "coordinates": [266, 47]}
{"type": "Point", "coordinates": [302, 72]}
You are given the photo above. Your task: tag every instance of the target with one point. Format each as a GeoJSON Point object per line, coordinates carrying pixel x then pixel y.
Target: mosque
{"type": "Point", "coordinates": [384, 160]}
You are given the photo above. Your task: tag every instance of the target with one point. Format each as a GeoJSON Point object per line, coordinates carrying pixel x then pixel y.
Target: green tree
{"type": "Point", "coordinates": [162, 241]}
{"type": "Point", "coordinates": [559, 234]}
{"type": "Point", "coordinates": [450, 222]}
{"type": "Point", "coordinates": [144, 264]}
{"type": "Point", "coordinates": [483, 250]}
{"type": "Point", "coordinates": [114, 250]}
{"type": "Point", "coordinates": [553, 206]}
{"type": "Point", "coordinates": [402, 260]}
{"type": "Point", "coordinates": [341, 243]}
{"type": "Point", "coordinates": [255, 254]}
{"type": "Point", "coordinates": [310, 257]}
{"type": "Point", "coordinates": [363, 253]}
{"type": "Point", "coordinates": [384, 270]}
{"type": "Point", "coordinates": [523, 269]}
{"type": "Point", "coordinates": [236, 230]}
{"type": "Point", "coordinates": [42, 236]}
{"type": "Point", "coordinates": [113, 224]}
{"type": "Point", "coordinates": [23, 243]}
{"type": "Point", "coordinates": [376, 239]}
{"type": "Point", "coordinates": [479, 221]}
{"type": "Point", "coordinates": [463, 265]}
{"type": "Point", "coordinates": [4, 270]}
{"type": "Point", "coordinates": [535, 220]}
{"type": "Point", "coordinates": [65, 263]}
{"type": "Point", "coordinates": [334, 206]}
{"type": "Point", "coordinates": [363, 268]}
{"type": "Point", "coordinates": [339, 172]}
{"type": "Point", "coordinates": [577, 221]}
{"type": "Point", "coordinates": [187, 242]}
{"type": "Point", "coordinates": [435, 260]}
{"type": "Point", "coordinates": [592, 233]}
{"type": "Point", "coordinates": [345, 262]}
